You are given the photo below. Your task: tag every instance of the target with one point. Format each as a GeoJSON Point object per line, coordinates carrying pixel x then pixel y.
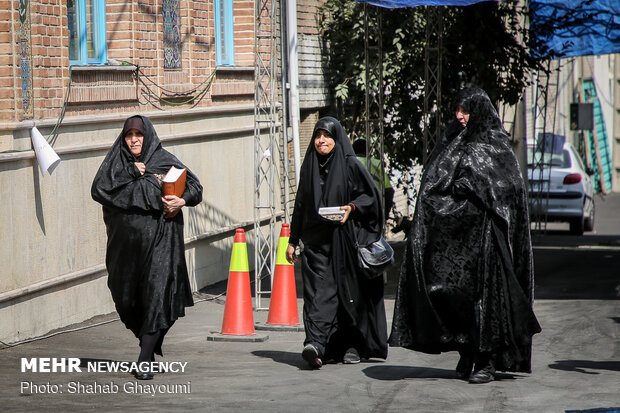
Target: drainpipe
{"type": "Point", "coordinates": [293, 79]}
{"type": "Point", "coordinates": [285, 111]}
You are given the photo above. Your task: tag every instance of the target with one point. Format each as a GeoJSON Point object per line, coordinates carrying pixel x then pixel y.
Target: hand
{"type": "Point", "coordinates": [291, 257]}
{"type": "Point", "coordinates": [172, 205]}
{"type": "Point", "coordinates": [141, 167]}
{"type": "Point", "coordinates": [347, 210]}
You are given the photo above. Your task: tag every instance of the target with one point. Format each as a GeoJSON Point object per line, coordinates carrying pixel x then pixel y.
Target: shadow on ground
{"type": "Point", "coordinates": [283, 357]}
{"type": "Point", "coordinates": [585, 366]}
{"type": "Point", "coordinates": [391, 373]}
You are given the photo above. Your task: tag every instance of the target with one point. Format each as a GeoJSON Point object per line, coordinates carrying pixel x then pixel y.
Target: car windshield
{"type": "Point", "coordinates": [540, 159]}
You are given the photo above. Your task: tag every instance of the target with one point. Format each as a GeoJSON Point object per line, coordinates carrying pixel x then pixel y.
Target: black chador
{"type": "Point", "coordinates": [467, 281]}
{"type": "Point", "coordinates": [145, 255]}
{"type": "Point", "coordinates": [342, 309]}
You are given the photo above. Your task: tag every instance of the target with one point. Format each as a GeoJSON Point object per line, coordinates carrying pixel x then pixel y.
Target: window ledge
{"type": "Point", "coordinates": [103, 68]}
{"type": "Point", "coordinates": [235, 69]}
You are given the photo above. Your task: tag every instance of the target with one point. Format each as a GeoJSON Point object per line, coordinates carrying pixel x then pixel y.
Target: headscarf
{"type": "Point", "coordinates": [483, 117]}
{"type": "Point", "coordinates": [134, 122]}
{"type": "Point", "coordinates": [346, 179]}
{"type": "Point", "coordinates": [115, 182]}
{"type": "Point", "coordinates": [150, 144]}
{"type": "Point", "coordinates": [335, 188]}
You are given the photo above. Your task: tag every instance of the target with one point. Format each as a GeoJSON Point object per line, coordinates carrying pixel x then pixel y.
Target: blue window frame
{"type": "Point", "coordinates": [87, 33]}
{"type": "Point", "coordinates": [224, 47]}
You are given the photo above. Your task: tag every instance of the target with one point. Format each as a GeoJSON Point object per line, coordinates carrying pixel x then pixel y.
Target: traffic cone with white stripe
{"type": "Point", "coordinates": [283, 305]}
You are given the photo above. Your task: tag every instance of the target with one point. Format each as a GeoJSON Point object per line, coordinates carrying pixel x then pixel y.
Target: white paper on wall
{"type": "Point", "coordinates": [46, 156]}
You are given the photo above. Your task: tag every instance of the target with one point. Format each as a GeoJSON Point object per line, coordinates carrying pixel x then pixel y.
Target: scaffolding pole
{"type": "Point", "coordinates": [432, 80]}
{"type": "Point", "coordinates": [545, 100]}
{"type": "Point", "coordinates": [373, 92]}
{"type": "Point", "coordinates": [265, 149]}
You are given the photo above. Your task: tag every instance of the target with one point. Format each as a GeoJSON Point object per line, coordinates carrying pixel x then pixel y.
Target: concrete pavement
{"type": "Point", "coordinates": [576, 366]}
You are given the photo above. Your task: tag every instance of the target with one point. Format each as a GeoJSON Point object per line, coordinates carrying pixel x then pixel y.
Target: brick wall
{"type": "Point", "coordinates": [307, 16]}
{"type": "Point", "coordinates": [313, 91]}
{"type": "Point", "coordinates": [8, 56]}
{"type": "Point", "coordinates": [50, 55]}
{"type": "Point", "coordinates": [306, 127]}
{"type": "Point", "coordinates": [243, 13]}
{"type": "Point", "coordinates": [134, 35]}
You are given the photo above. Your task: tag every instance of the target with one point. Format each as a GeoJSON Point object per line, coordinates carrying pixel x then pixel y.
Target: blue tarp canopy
{"type": "Point", "coordinates": [575, 27]}
{"type": "Point", "coordinates": [393, 4]}
{"type": "Point", "coordinates": [563, 27]}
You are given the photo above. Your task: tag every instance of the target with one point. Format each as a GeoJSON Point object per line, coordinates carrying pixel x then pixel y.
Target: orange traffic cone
{"type": "Point", "coordinates": [238, 323]}
{"type": "Point", "coordinates": [283, 305]}
{"type": "Point", "coordinates": [238, 318]}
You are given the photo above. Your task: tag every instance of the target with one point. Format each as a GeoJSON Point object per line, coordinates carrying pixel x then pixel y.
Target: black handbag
{"type": "Point", "coordinates": [375, 258]}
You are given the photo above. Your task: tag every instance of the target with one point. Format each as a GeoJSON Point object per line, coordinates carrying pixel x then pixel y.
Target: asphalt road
{"type": "Point", "coordinates": [576, 359]}
{"type": "Point", "coordinates": [580, 267]}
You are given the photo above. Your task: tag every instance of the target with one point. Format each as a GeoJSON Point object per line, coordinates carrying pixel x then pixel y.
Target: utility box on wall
{"type": "Point", "coordinates": [581, 116]}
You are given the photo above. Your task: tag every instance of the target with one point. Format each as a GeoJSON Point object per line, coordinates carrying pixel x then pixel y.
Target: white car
{"type": "Point", "coordinates": [560, 188]}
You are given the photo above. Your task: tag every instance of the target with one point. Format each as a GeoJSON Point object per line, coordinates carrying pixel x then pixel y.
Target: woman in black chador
{"type": "Point", "coordinates": [467, 280]}
{"type": "Point", "coordinates": [344, 314]}
{"type": "Point", "coordinates": [145, 258]}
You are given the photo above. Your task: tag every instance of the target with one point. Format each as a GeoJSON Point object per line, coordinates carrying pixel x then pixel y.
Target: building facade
{"type": "Point", "coordinates": [76, 70]}
{"type": "Point", "coordinates": [586, 79]}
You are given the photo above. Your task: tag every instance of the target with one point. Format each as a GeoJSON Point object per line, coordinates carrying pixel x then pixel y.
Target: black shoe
{"type": "Point", "coordinates": [484, 369]}
{"type": "Point", "coordinates": [147, 375]}
{"type": "Point", "coordinates": [351, 356]}
{"type": "Point", "coordinates": [464, 366]}
{"type": "Point", "coordinates": [482, 376]}
{"type": "Point", "coordinates": [311, 355]}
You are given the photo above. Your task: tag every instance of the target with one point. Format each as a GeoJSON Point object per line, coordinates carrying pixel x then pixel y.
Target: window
{"type": "Point", "coordinates": [224, 50]}
{"type": "Point", "coordinates": [547, 159]}
{"type": "Point", "coordinates": [87, 42]}
{"type": "Point", "coordinates": [577, 158]}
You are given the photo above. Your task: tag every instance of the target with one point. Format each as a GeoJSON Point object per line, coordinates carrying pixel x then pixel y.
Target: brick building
{"type": "Point", "coordinates": [76, 70]}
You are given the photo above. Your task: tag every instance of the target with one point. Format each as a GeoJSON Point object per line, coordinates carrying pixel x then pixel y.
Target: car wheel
{"type": "Point", "coordinates": [577, 226]}
{"type": "Point", "coordinates": [589, 221]}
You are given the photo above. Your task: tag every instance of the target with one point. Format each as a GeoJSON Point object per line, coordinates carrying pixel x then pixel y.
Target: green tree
{"type": "Point", "coordinates": [483, 45]}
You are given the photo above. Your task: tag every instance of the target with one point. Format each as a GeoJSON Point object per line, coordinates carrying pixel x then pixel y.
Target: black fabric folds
{"type": "Point", "coordinates": [145, 258]}
{"type": "Point", "coordinates": [467, 280]}
{"type": "Point", "coordinates": [341, 307]}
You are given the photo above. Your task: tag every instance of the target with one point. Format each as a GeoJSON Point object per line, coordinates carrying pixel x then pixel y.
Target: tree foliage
{"type": "Point", "coordinates": [483, 45]}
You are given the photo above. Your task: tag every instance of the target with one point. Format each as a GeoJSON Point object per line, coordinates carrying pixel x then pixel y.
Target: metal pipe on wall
{"type": "Point", "coordinates": [285, 110]}
{"type": "Point", "coordinates": [293, 79]}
